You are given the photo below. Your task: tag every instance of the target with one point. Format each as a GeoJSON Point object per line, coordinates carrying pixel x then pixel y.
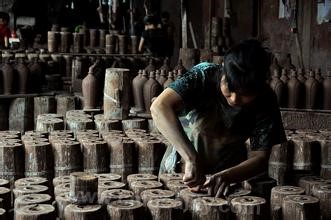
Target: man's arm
{"type": "Point", "coordinates": [163, 111]}
{"type": "Point", "coordinates": [256, 164]}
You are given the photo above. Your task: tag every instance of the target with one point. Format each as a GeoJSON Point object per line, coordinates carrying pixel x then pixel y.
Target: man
{"type": "Point", "coordinates": [209, 113]}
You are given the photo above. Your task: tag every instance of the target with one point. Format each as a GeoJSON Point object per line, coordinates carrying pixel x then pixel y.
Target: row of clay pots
{"type": "Point", "coordinates": [146, 88]}
{"type": "Point", "coordinates": [310, 91]}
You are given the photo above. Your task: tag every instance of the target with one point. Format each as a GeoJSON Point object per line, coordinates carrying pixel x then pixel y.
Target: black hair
{"type": "Point", "coordinates": [246, 66]}
{"type": "Point", "coordinates": [150, 19]}
{"type": "Point", "coordinates": [4, 16]}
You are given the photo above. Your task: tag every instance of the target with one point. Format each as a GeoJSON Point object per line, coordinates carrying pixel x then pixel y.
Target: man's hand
{"type": "Point", "coordinates": [216, 185]}
{"type": "Point", "coordinates": [193, 177]}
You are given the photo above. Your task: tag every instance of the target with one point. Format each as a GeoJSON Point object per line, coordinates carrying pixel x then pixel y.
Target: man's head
{"type": "Point", "coordinates": [245, 69]}
{"type": "Point", "coordinates": [4, 18]}
{"type": "Point", "coordinates": [150, 20]}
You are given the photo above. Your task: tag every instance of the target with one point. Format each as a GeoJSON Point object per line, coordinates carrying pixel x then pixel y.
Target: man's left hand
{"type": "Point", "coordinates": [216, 184]}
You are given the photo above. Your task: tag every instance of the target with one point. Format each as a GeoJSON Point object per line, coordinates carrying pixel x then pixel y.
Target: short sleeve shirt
{"type": "Point", "coordinates": [219, 131]}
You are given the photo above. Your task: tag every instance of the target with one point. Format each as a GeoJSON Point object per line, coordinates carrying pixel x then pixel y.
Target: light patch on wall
{"type": "Point", "coordinates": [324, 11]}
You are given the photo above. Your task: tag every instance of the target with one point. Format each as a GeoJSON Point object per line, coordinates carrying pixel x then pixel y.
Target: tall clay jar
{"type": "Point", "coordinates": [169, 80]}
{"type": "Point", "coordinates": [301, 76]}
{"type": "Point", "coordinates": [36, 77]}
{"type": "Point", "coordinates": [134, 44]}
{"type": "Point", "coordinates": [152, 89]}
{"type": "Point", "coordinates": [23, 73]}
{"type": "Point", "coordinates": [279, 88]}
{"type": "Point", "coordinates": [7, 74]}
{"type": "Point", "coordinates": [162, 77]}
{"type": "Point", "coordinates": [122, 44]}
{"type": "Point", "coordinates": [102, 38]}
{"type": "Point", "coordinates": [137, 89]}
{"type": "Point", "coordinates": [327, 91]}
{"type": "Point", "coordinates": [78, 42]}
{"type": "Point", "coordinates": [89, 89]}
{"type": "Point", "coordinates": [313, 91]}
{"type": "Point", "coordinates": [110, 43]}
{"type": "Point", "coordinates": [295, 91]}
{"type": "Point", "coordinates": [284, 76]}
{"type": "Point", "coordinates": [93, 37]}
{"type": "Point", "coordinates": [52, 43]}
{"type": "Point", "coordinates": [65, 41]}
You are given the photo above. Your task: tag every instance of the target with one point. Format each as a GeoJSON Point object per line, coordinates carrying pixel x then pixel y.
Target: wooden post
{"type": "Point", "coordinates": [49, 124]}
{"type": "Point", "coordinates": [73, 211]}
{"type": "Point", "coordinates": [302, 148]}
{"type": "Point", "coordinates": [134, 123]}
{"type": "Point", "coordinates": [108, 196]}
{"type": "Point", "coordinates": [104, 125]}
{"type": "Point", "coordinates": [323, 193]}
{"type": "Point", "coordinates": [116, 93]}
{"type": "Point", "coordinates": [296, 207]}
{"type": "Point", "coordinates": [83, 188]}
{"type": "Point", "coordinates": [21, 114]}
{"type": "Point", "coordinates": [38, 160]}
{"type": "Point", "coordinates": [44, 104]}
{"type": "Point", "coordinates": [149, 156]}
{"type": "Point", "coordinates": [307, 182]}
{"type": "Point", "coordinates": [188, 196]}
{"type": "Point", "coordinates": [109, 176]}
{"type": "Point", "coordinates": [249, 207]}
{"type": "Point", "coordinates": [11, 166]}
{"type": "Point", "coordinates": [96, 156]}
{"type": "Point", "coordinates": [140, 177]}
{"type": "Point", "coordinates": [27, 181]}
{"type": "Point", "coordinates": [125, 209]}
{"type": "Point", "coordinates": [64, 104]}
{"type": "Point", "coordinates": [166, 177]}
{"type": "Point", "coordinates": [37, 211]}
{"type": "Point", "coordinates": [108, 185]}
{"type": "Point", "coordinates": [68, 157]}
{"type": "Point", "coordinates": [325, 158]}
{"type": "Point", "coordinates": [122, 156]}
{"type": "Point", "coordinates": [5, 195]}
{"type": "Point", "coordinates": [279, 192]}
{"type": "Point", "coordinates": [30, 189]}
{"type": "Point", "coordinates": [151, 194]}
{"type": "Point", "coordinates": [176, 186]}
{"type": "Point", "coordinates": [78, 124]}
{"type": "Point", "coordinates": [205, 207]}
{"type": "Point", "coordinates": [61, 188]}
{"type": "Point", "coordinates": [164, 209]}
{"type": "Point", "coordinates": [278, 162]}
{"type": "Point", "coordinates": [139, 186]}
{"type": "Point", "coordinates": [62, 201]}
{"type": "Point", "coordinates": [32, 199]}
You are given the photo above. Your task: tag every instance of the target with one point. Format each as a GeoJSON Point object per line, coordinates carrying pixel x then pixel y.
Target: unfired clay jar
{"type": "Point", "coordinates": [318, 75]}
{"type": "Point", "coordinates": [150, 67]}
{"type": "Point", "coordinates": [152, 89]}
{"type": "Point", "coordinates": [180, 66]}
{"type": "Point", "coordinates": [162, 77]}
{"type": "Point", "coordinates": [89, 89]}
{"type": "Point", "coordinates": [165, 65]}
{"type": "Point", "coordinates": [301, 76]}
{"type": "Point", "coordinates": [23, 73]}
{"type": "Point", "coordinates": [295, 91]}
{"type": "Point", "coordinates": [8, 76]}
{"type": "Point", "coordinates": [122, 44]}
{"type": "Point", "coordinates": [35, 80]}
{"type": "Point", "coordinates": [137, 89]}
{"type": "Point", "coordinates": [313, 91]}
{"type": "Point", "coordinates": [279, 88]}
{"type": "Point", "coordinates": [284, 76]}
{"type": "Point", "coordinates": [169, 80]}
{"type": "Point", "coordinates": [327, 92]}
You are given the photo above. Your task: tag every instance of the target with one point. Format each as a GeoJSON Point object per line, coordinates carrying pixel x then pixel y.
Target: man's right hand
{"type": "Point", "coordinates": [193, 177]}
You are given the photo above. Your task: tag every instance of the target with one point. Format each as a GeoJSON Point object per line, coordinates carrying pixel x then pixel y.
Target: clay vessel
{"type": "Point", "coordinates": [102, 38]}
{"type": "Point", "coordinates": [23, 73]}
{"type": "Point", "coordinates": [152, 89]}
{"type": "Point", "coordinates": [295, 91]}
{"type": "Point", "coordinates": [89, 89]}
{"type": "Point", "coordinates": [279, 88]}
{"type": "Point", "coordinates": [313, 92]}
{"type": "Point", "coordinates": [288, 63]}
{"type": "Point", "coordinates": [162, 77]}
{"type": "Point", "coordinates": [122, 44]}
{"type": "Point", "coordinates": [157, 74]}
{"type": "Point", "coordinates": [165, 65]}
{"type": "Point", "coordinates": [137, 89]}
{"type": "Point", "coordinates": [78, 42]}
{"type": "Point", "coordinates": [169, 80]}
{"type": "Point", "coordinates": [284, 76]}
{"type": "Point", "coordinates": [8, 76]}
{"type": "Point", "coordinates": [93, 37]}
{"type": "Point", "coordinates": [36, 77]}
{"type": "Point", "coordinates": [150, 67]}
{"type": "Point", "coordinates": [134, 44]}
{"type": "Point", "coordinates": [301, 76]}
{"type": "Point", "coordinates": [327, 92]}
{"type": "Point", "coordinates": [274, 66]}
{"type": "Point", "coordinates": [180, 66]}
{"type": "Point", "coordinates": [318, 75]}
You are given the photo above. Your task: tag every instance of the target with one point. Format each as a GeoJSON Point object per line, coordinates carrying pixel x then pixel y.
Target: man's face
{"type": "Point", "coordinates": [235, 99]}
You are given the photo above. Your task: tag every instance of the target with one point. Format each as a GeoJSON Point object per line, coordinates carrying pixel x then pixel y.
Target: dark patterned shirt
{"type": "Point", "coordinates": [217, 130]}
